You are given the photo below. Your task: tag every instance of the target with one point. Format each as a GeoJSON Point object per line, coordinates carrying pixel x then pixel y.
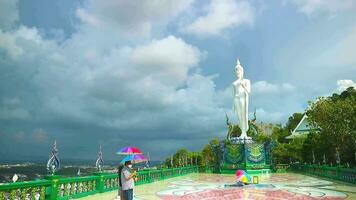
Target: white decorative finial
{"type": "Point", "coordinates": [15, 178]}
{"type": "Point", "coordinates": [238, 62]}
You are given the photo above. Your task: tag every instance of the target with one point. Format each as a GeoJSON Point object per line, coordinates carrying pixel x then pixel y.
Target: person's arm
{"type": "Point", "coordinates": [128, 175]}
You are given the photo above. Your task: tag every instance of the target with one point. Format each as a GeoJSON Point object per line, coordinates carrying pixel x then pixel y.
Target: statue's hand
{"type": "Point", "coordinates": [244, 85]}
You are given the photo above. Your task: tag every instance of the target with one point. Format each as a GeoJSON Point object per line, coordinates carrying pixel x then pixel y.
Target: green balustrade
{"type": "Point", "coordinates": [62, 188]}
{"type": "Point", "coordinates": [25, 190]}
{"type": "Point", "coordinates": [335, 173]}
{"type": "Point", "coordinates": [76, 187]}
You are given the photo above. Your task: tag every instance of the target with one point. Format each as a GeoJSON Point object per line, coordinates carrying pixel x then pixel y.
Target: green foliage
{"type": "Point", "coordinates": [183, 157]}
{"type": "Point", "coordinates": [336, 118]}
{"type": "Point", "coordinates": [288, 152]}
{"type": "Point", "coordinates": [208, 155]}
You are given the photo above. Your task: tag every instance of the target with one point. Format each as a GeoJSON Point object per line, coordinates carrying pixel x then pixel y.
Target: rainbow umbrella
{"type": "Point", "coordinates": [129, 151]}
{"type": "Point", "coordinates": [135, 158]}
{"type": "Point", "coordinates": [243, 176]}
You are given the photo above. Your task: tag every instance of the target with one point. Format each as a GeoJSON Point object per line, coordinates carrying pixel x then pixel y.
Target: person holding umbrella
{"type": "Point", "coordinates": [128, 177]}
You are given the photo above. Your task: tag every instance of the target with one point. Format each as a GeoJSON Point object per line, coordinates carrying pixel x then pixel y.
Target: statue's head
{"type": "Point", "coordinates": [239, 70]}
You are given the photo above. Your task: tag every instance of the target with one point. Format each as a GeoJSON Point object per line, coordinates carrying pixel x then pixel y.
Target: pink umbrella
{"type": "Point", "coordinates": [243, 176]}
{"type": "Point", "coordinates": [129, 151]}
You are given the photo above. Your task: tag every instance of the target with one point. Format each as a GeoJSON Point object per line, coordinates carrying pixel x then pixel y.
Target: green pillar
{"type": "Point", "coordinates": [149, 177]}
{"type": "Point", "coordinates": [53, 193]}
{"type": "Point", "coordinates": [100, 182]}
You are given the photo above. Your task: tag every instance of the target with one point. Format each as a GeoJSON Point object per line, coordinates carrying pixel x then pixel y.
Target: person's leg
{"type": "Point", "coordinates": [126, 192]}
{"type": "Point", "coordinates": [130, 194]}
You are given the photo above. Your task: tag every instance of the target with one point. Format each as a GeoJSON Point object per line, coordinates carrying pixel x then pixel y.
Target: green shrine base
{"type": "Point", "coordinates": [251, 157]}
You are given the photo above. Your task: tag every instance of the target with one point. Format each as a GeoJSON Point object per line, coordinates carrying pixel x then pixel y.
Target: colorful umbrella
{"type": "Point", "coordinates": [135, 158]}
{"type": "Point", "coordinates": [129, 151]}
{"type": "Point", "coordinates": [243, 176]}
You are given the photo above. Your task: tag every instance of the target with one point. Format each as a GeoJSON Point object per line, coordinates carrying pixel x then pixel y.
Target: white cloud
{"type": "Point", "coordinates": [221, 15]}
{"type": "Point", "coordinates": [87, 18]}
{"type": "Point", "coordinates": [344, 84]}
{"type": "Point", "coordinates": [8, 13]}
{"type": "Point", "coordinates": [130, 17]}
{"type": "Point", "coordinates": [8, 45]}
{"type": "Point", "coordinates": [319, 7]}
{"type": "Point", "coordinates": [168, 59]}
{"type": "Point", "coordinates": [267, 116]}
{"type": "Point", "coordinates": [264, 87]}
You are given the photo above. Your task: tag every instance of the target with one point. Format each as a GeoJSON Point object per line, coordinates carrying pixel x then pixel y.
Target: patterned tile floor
{"type": "Point", "coordinates": [214, 187]}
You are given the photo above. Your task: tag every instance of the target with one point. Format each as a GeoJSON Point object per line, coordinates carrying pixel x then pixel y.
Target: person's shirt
{"type": "Point", "coordinates": [127, 184]}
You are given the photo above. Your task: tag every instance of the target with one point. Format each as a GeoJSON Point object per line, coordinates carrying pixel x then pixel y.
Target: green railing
{"type": "Point", "coordinates": [280, 168]}
{"type": "Point", "coordinates": [335, 173]}
{"type": "Point", "coordinates": [25, 190]}
{"type": "Point", "coordinates": [56, 187]}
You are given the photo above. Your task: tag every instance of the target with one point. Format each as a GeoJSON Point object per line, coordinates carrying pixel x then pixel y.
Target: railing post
{"type": "Point", "coordinates": [100, 182]}
{"type": "Point", "coordinates": [54, 186]}
{"type": "Point", "coordinates": [162, 174]}
{"type": "Point", "coordinates": [149, 178]}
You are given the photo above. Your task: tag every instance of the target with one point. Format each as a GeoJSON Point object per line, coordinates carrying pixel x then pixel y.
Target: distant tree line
{"type": "Point", "coordinates": [183, 158]}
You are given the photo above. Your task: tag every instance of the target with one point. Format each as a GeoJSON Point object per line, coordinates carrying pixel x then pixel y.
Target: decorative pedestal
{"type": "Point", "coordinates": [235, 154]}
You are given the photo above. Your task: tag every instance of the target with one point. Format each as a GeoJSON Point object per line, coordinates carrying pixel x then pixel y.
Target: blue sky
{"type": "Point", "coordinates": [157, 74]}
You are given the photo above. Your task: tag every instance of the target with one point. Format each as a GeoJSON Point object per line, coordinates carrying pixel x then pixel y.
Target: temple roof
{"type": "Point", "coordinates": [304, 127]}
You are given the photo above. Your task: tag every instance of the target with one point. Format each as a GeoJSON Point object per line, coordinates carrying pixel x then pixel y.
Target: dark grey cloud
{"type": "Point", "coordinates": [83, 92]}
{"type": "Point", "coordinates": [105, 85]}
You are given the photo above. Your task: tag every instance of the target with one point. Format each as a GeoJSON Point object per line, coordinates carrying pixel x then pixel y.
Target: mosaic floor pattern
{"type": "Point", "coordinates": [215, 187]}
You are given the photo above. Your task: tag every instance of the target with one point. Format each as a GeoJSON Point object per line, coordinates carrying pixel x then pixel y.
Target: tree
{"type": "Point", "coordinates": [183, 157]}
{"type": "Point", "coordinates": [208, 152]}
{"type": "Point", "coordinates": [336, 118]}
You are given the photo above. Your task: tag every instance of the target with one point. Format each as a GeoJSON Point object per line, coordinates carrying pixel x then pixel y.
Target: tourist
{"type": "Point", "coordinates": [128, 177]}
{"type": "Point", "coordinates": [120, 192]}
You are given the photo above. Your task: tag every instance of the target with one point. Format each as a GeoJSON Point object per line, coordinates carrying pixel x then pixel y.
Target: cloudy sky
{"type": "Point", "coordinates": [157, 74]}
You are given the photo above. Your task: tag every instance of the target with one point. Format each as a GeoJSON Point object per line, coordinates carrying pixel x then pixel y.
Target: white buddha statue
{"type": "Point", "coordinates": [241, 91]}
